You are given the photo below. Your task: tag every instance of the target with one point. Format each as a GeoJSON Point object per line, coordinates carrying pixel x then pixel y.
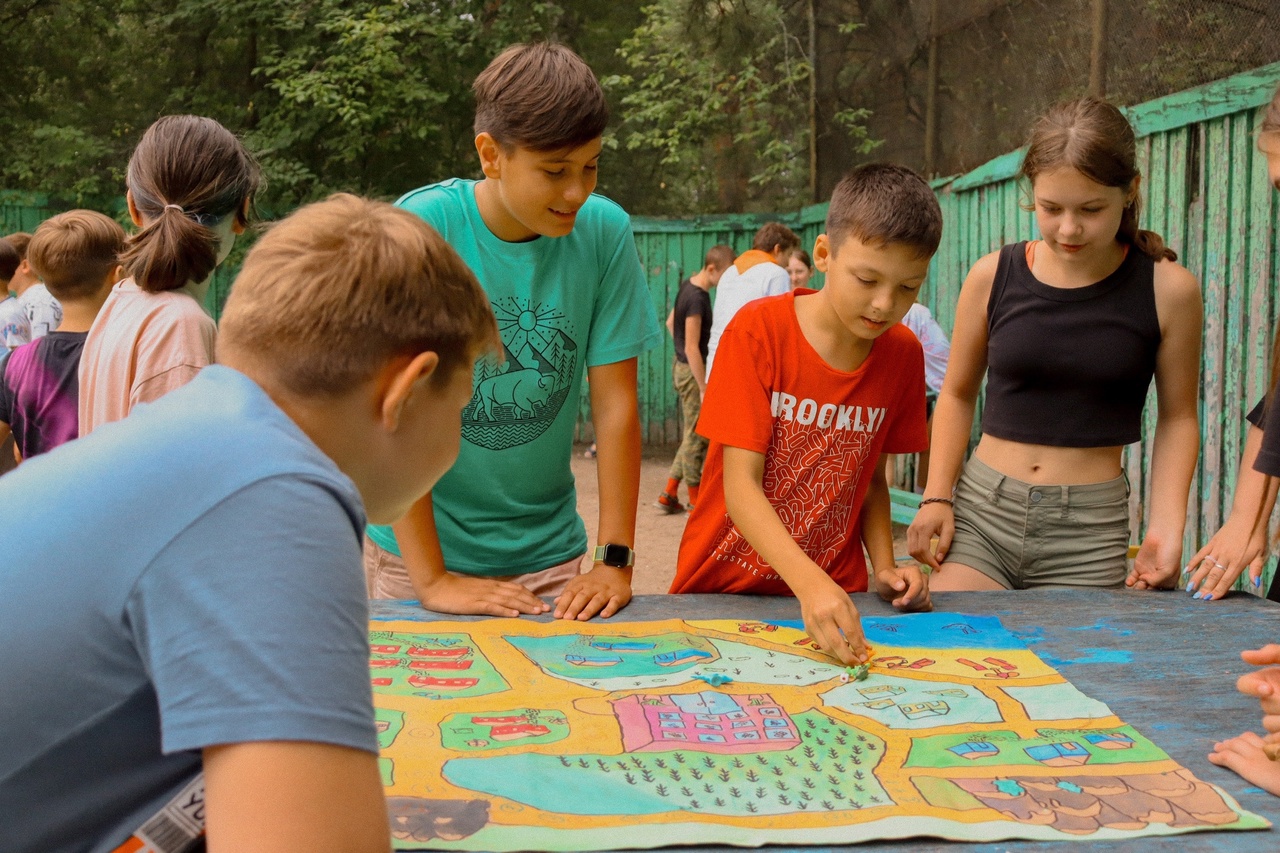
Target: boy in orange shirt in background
{"type": "Point", "coordinates": [813, 389]}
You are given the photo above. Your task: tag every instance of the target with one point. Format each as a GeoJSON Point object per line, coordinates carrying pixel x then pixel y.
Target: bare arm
{"type": "Point", "coordinates": [294, 797]}
{"type": "Point", "coordinates": [671, 322]}
{"type": "Point", "coordinates": [1242, 540]}
{"type": "Point", "coordinates": [829, 615]}
{"type": "Point", "coordinates": [905, 587]}
{"type": "Point", "coordinates": [1177, 439]}
{"type": "Point", "coordinates": [953, 414]}
{"type": "Point", "coordinates": [443, 591]}
{"type": "Point", "coordinates": [692, 334]}
{"type": "Point", "coordinates": [615, 414]}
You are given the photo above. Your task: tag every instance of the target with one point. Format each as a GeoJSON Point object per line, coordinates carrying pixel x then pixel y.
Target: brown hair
{"type": "Point", "coordinates": [773, 234]}
{"type": "Point", "coordinates": [720, 256]}
{"type": "Point", "coordinates": [10, 260]}
{"type": "Point", "coordinates": [803, 256]}
{"type": "Point", "coordinates": [540, 96]}
{"type": "Point", "coordinates": [330, 293]}
{"type": "Point", "coordinates": [74, 252]}
{"type": "Point", "coordinates": [1271, 124]}
{"type": "Point", "coordinates": [1094, 138]}
{"type": "Point", "coordinates": [19, 240]}
{"type": "Point", "coordinates": [883, 203]}
{"type": "Point", "coordinates": [185, 176]}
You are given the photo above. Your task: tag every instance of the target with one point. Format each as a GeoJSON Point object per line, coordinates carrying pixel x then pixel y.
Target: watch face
{"type": "Point", "coordinates": [618, 556]}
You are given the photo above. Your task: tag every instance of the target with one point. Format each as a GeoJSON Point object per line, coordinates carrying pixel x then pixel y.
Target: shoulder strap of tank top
{"type": "Point", "coordinates": [1004, 268]}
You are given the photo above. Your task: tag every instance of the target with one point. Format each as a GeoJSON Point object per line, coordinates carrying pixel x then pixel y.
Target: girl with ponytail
{"type": "Point", "coordinates": [1069, 330]}
{"type": "Point", "coordinates": [190, 186]}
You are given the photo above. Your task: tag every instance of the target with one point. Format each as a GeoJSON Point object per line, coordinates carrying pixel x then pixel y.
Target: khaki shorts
{"type": "Point", "coordinates": [386, 577]}
{"type": "Point", "coordinates": [1023, 535]}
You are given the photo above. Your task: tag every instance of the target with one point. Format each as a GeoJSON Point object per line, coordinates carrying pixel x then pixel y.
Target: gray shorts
{"type": "Point", "coordinates": [1023, 535]}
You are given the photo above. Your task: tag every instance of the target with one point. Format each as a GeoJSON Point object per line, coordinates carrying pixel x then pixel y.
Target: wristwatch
{"type": "Point", "coordinates": [618, 556]}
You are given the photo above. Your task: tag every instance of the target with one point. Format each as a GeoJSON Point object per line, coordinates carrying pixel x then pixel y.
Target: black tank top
{"type": "Point", "coordinates": [1070, 367]}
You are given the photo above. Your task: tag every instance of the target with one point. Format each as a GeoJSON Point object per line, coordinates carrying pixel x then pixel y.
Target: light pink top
{"type": "Point", "coordinates": [141, 346]}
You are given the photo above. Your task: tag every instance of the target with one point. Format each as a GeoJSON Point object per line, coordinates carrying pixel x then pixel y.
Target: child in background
{"type": "Point", "coordinates": [937, 351]}
{"type": "Point", "coordinates": [563, 276]}
{"type": "Point", "coordinates": [800, 268]}
{"type": "Point", "coordinates": [77, 256]}
{"type": "Point", "coordinates": [813, 389]}
{"type": "Point", "coordinates": [43, 311]}
{"type": "Point", "coordinates": [755, 274]}
{"type": "Point", "coordinates": [1073, 326]}
{"type": "Point", "coordinates": [15, 326]}
{"type": "Point", "coordinates": [226, 631]}
{"type": "Point", "coordinates": [690, 327]}
{"type": "Point", "coordinates": [190, 186]}
{"type": "Point", "coordinates": [1241, 543]}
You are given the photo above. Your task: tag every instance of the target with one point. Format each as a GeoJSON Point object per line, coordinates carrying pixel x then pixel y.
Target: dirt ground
{"type": "Point", "coordinates": [657, 534]}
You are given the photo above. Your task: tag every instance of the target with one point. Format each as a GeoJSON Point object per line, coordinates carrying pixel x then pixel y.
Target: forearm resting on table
{"type": "Point", "coordinates": [615, 415]}
{"type": "Point", "coordinates": [420, 547]}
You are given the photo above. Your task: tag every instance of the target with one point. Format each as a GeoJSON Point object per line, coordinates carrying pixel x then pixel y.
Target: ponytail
{"type": "Point", "coordinates": [169, 252]}
{"type": "Point", "coordinates": [187, 174]}
{"type": "Point", "coordinates": [1148, 243]}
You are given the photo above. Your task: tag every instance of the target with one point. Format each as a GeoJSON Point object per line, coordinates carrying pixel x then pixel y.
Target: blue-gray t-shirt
{"type": "Point", "coordinates": [508, 505]}
{"type": "Point", "coordinates": [186, 577]}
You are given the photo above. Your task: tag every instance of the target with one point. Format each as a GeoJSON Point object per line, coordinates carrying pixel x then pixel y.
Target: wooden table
{"type": "Point", "coordinates": [1164, 662]}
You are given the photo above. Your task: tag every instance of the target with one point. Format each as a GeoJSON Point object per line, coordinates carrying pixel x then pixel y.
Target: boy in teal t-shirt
{"type": "Point", "coordinates": [561, 270]}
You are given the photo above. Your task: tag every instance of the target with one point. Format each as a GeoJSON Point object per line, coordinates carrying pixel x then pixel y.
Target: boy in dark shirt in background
{"type": "Point", "coordinates": [76, 253]}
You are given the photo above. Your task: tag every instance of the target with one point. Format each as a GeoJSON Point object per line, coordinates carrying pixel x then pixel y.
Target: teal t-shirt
{"type": "Point", "coordinates": [508, 505]}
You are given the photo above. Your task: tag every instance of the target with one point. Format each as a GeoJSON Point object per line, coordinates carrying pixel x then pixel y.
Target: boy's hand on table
{"type": "Point", "coordinates": [466, 595]}
{"type": "Point", "coordinates": [905, 587]}
{"type": "Point", "coordinates": [831, 620]}
{"type": "Point", "coordinates": [602, 591]}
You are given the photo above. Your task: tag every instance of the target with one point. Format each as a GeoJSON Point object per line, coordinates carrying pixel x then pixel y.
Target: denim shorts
{"type": "Point", "coordinates": [1023, 535]}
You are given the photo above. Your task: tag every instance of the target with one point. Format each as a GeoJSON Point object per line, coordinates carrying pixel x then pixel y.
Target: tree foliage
{"type": "Point", "coordinates": [373, 96]}
{"type": "Point", "coordinates": [719, 91]}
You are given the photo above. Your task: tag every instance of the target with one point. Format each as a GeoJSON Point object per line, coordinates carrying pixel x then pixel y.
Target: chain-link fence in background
{"type": "Point", "coordinates": [953, 83]}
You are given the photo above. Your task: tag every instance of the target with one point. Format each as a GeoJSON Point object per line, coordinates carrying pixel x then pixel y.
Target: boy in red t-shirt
{"type": "Point", "coordinates": [810, 391]}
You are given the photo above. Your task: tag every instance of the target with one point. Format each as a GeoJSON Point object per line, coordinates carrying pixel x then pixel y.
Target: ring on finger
{"type": "Point", "coordinates": [1218, 565]}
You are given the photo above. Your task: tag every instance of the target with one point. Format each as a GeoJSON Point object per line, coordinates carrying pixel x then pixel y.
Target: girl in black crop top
{"type": "Point", "coordinates": [1070, 330]}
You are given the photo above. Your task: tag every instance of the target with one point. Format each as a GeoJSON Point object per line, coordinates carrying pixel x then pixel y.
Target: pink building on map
{"type": "Point", "coordinates": [707, 722]}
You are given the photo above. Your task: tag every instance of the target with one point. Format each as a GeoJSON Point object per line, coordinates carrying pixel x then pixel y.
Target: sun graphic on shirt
{"type": "Point", "coordinates": [523, 324]}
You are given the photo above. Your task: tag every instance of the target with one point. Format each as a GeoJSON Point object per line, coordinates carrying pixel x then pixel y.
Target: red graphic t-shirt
{"type": "Point", "coordinates": [821, 431]}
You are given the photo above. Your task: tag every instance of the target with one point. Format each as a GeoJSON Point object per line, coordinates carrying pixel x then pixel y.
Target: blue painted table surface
{"type": "Point", "coordinates": [1165, 664]}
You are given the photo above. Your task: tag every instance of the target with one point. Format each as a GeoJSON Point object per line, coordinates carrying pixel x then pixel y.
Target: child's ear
{"type": "Point", "coordinates": [821, 253]}
{"type": "Point", "coordinates": [114, 275]}
{"type": "Point", "coordinates": [490, 155]}
{"type": "Point", "coordinates": [133, 208]}
{"type": "Point", "coordinates": [401, 379]}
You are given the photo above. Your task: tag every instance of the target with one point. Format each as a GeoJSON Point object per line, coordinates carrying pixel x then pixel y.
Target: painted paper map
{"type": "Point", "coordinates": [510, 735]}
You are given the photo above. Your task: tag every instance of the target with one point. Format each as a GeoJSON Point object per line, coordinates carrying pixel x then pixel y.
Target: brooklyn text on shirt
{"type": "Point", "coordinates": [827, 415]}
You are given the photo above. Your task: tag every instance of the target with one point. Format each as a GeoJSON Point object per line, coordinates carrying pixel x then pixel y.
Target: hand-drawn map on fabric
{"type": "Point", "coordinates": [511, 735]}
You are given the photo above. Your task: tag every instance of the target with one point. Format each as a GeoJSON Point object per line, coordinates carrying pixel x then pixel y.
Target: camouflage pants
{"type": "Point", "coordinates": [687, 465]}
